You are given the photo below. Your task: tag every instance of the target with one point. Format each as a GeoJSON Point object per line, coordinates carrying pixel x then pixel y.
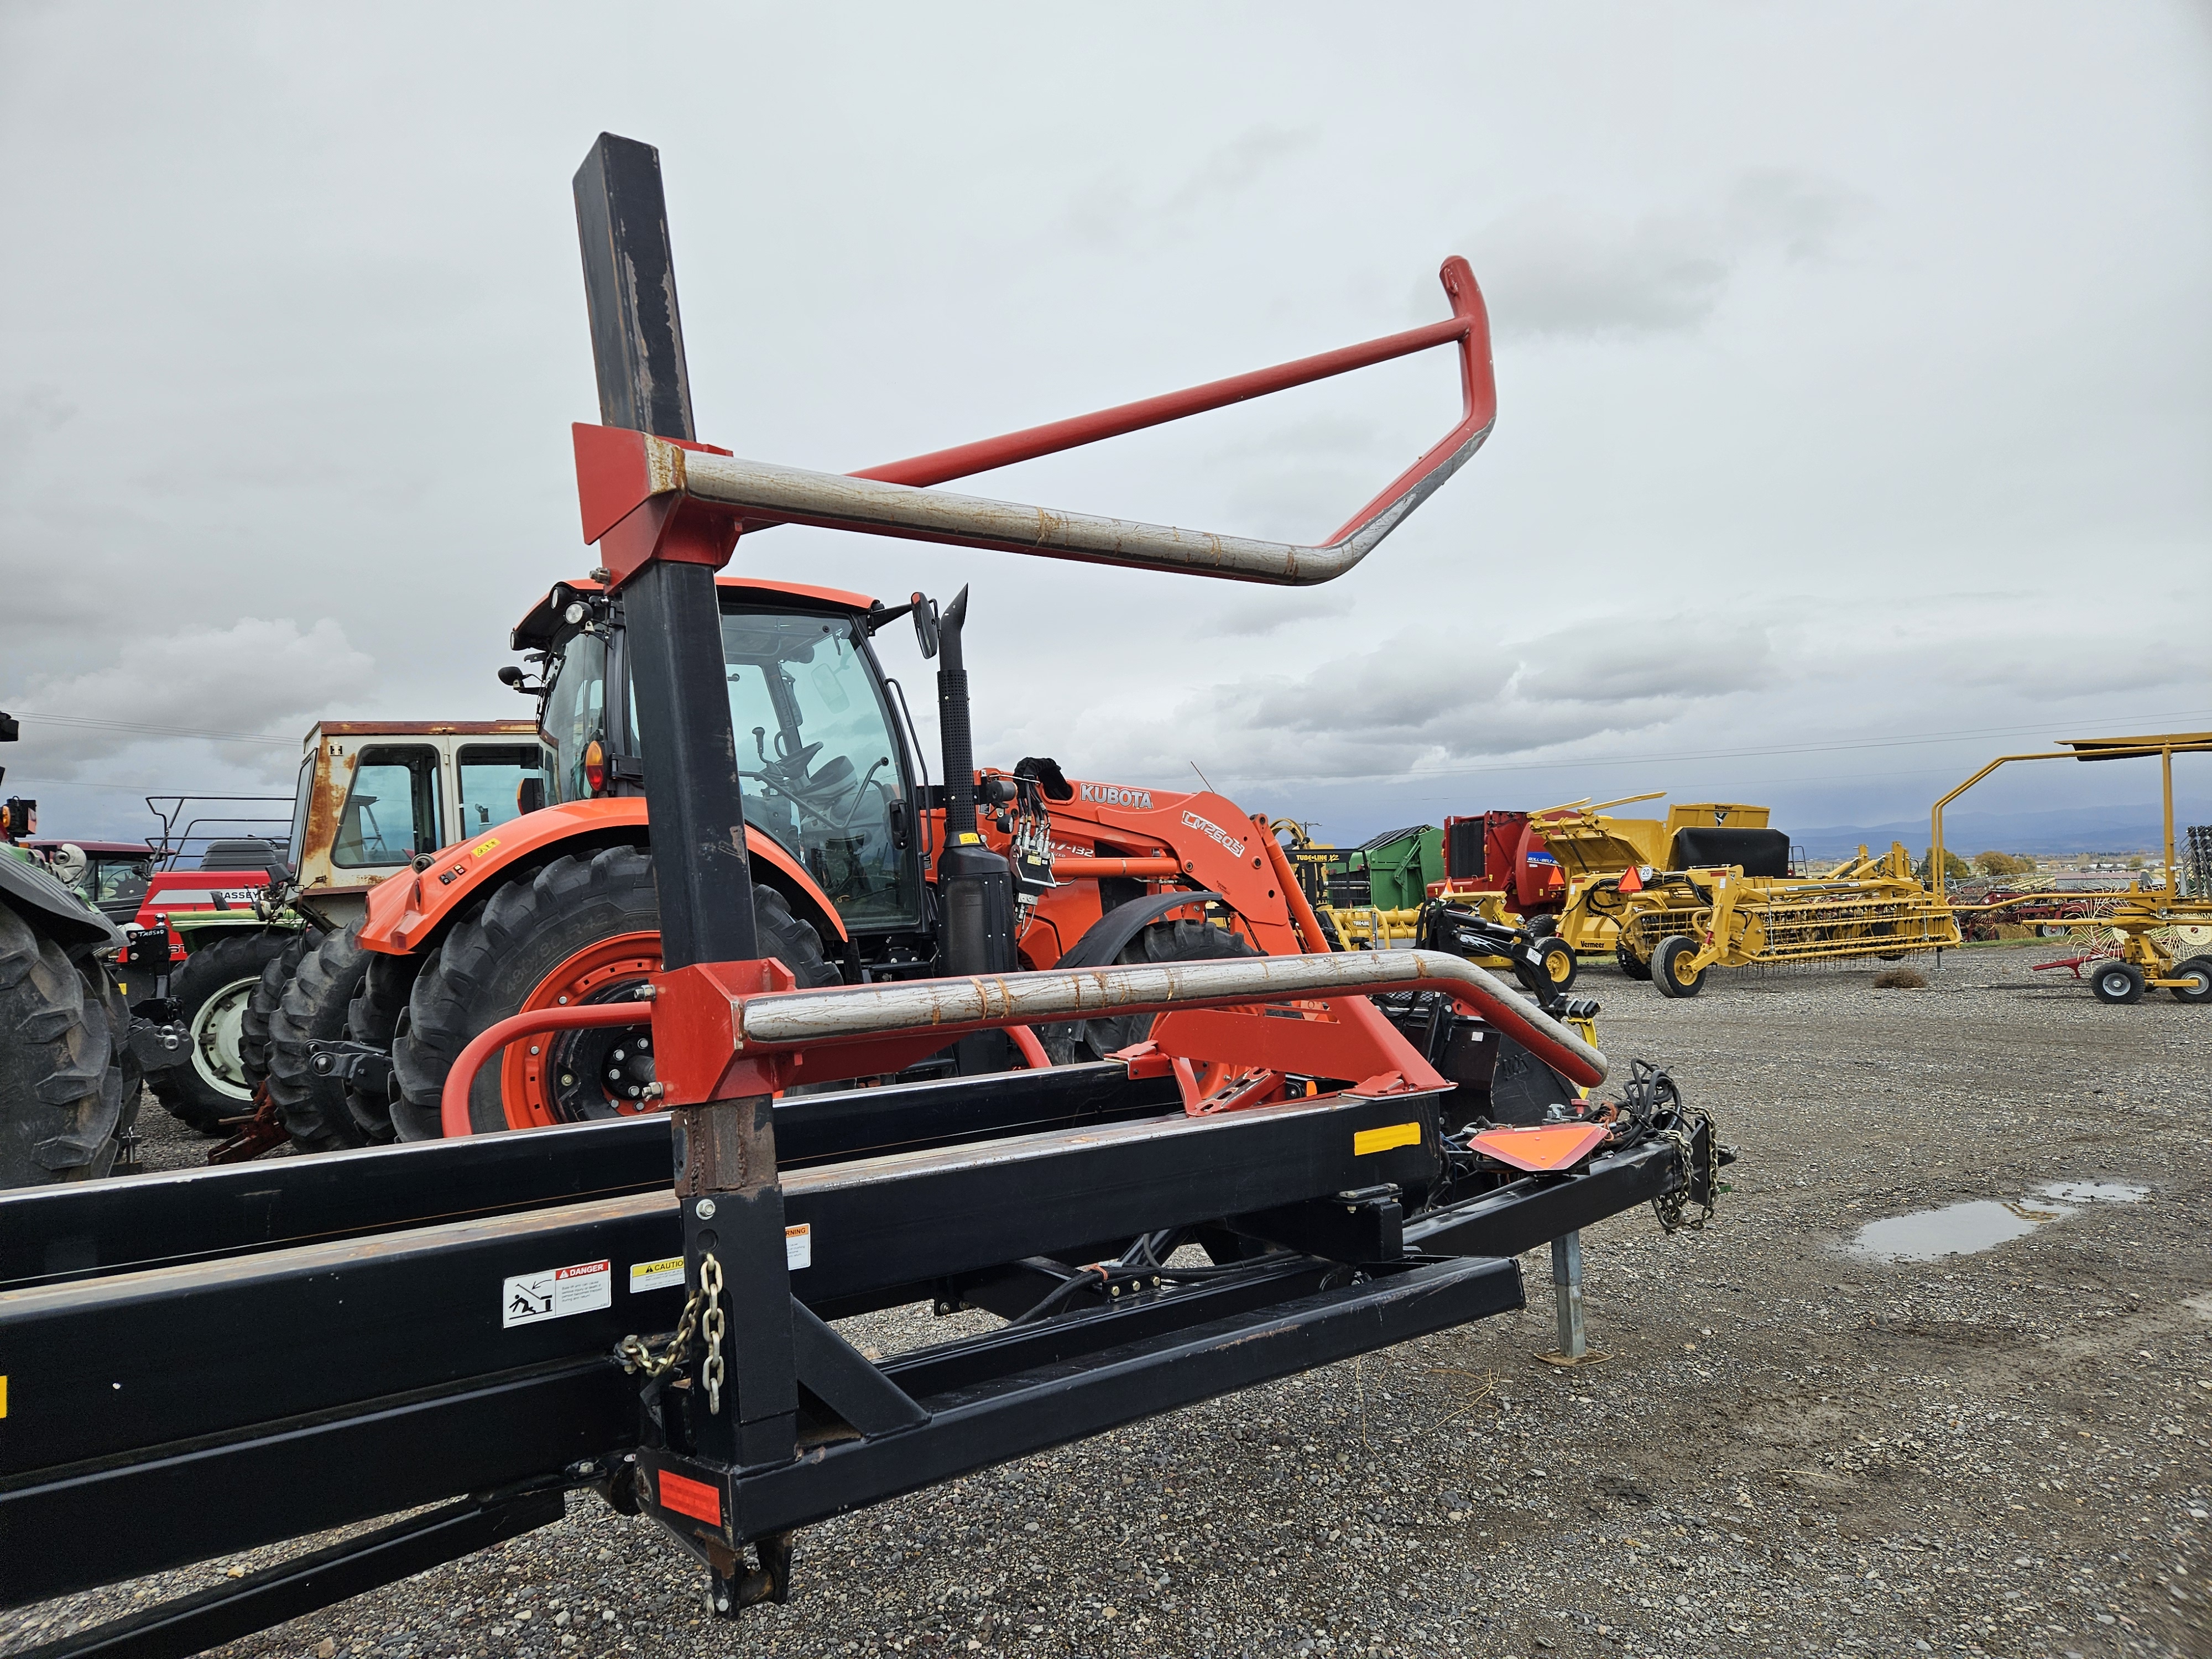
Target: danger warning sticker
{"type": "Point", "coordinates": [529, 1298]}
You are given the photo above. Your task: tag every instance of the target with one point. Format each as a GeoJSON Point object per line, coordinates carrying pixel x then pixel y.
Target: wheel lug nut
{"type": "Point", "coordinates": [614, 1073]}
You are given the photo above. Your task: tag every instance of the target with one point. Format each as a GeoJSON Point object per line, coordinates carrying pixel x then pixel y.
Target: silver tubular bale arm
{"type": "Point", "coordinates": [834, 501]}
{"type": "Point", "coordinates": [795, 1018]}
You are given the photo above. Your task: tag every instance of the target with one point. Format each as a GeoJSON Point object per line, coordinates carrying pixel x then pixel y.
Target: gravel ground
{"type": "Point", "coordinates": [1790, 1448]}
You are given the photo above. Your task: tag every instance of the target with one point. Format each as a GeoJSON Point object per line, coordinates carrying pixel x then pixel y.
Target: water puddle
{"type": "Point", "coordinates": [1984, 1224]}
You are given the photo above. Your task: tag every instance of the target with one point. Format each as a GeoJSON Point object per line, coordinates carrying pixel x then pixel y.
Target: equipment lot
{"type": "Point", "coordinates": [1791, 1450]}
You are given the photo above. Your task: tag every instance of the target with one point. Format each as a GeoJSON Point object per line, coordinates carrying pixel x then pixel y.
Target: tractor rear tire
{"type": "Point", "coordinates": [1555, 962]}
{"type": "Point", "coordinates": [261, 1006]}
{"type": "Point", "coordinates": [587, 919]}
{"type": "Point", "coordinates": [1667, 972]}
{"type": "Point", "coordinates": [67, 1086]}
{"type": "Point", "coordinates": [1633, 966]}
{"type": "Point", "coordinates": [2198, 968]}
{"type": "Point", "coordinates": [1171, 941]}
{"type": "Point", "coordinates": [209, 1086]}
{"type": "Point", "coordinates": [315, 1010]}
{"type": "Point", "coordinates": [2117, 981]}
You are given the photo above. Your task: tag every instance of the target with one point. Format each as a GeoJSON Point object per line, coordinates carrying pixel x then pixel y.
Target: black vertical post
{"type": "Point", "coordinates": [693, 797]}
{"type": "Point", "coordinates": [726, 1169]}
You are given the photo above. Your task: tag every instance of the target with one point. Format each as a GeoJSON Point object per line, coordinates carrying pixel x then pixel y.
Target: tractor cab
{"type": "Point", "coordinates": [820, 732]}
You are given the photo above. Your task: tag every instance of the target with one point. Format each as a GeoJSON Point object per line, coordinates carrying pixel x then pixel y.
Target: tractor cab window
{"type": "Point", "coordinates": [575, 713]}
{"type": "Point", "coordinates": [491, 776]}
{"type": "Point", "coordinates": [391, 811]}
{"type": "Point", "coordinates": [111, 877]}
{"type": "Point", "coordinates": [819, 758]}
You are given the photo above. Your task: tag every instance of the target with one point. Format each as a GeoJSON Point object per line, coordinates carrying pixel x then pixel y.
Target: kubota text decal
{"type": "Point", "coordinates": [1113, 794]}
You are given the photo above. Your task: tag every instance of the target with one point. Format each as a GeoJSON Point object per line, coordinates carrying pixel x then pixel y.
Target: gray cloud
{"type": "Point", "coordinates": [1554, 268]}
{"type": "Point", "coordinates": [252, 677]}
{"type": "Point", "coordinates": [295, 360]}
{"type": "Point", "coordinates": [1110, 210]}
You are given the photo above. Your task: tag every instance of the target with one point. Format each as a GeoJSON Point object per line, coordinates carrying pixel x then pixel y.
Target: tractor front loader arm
{"type": "Point", "coordinates": [645, 497]}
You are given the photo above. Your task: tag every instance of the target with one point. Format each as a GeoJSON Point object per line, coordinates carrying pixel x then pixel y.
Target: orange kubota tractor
{"type": "Point", "coordinates": [860, 869]}
{"type": "Point", "coordinates": [846, 838]}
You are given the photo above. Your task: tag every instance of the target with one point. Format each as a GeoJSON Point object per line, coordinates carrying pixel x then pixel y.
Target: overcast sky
{"type": "Point", "coordinates": [1855, 372]}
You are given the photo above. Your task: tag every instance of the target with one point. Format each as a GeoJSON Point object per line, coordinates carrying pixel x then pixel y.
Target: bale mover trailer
{"type": "Point", "coordinates": [1285, 1174]}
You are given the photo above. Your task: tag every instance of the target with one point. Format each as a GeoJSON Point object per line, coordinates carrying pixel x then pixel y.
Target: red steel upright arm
{"type": "Point", "coordinates": [644, 497]}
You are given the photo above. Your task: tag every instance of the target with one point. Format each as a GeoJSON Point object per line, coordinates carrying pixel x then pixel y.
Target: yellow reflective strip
{"type": "Point", "coordinates": [3, 1396]}
{"type": "Point", "coordinates": [1382, 1140]}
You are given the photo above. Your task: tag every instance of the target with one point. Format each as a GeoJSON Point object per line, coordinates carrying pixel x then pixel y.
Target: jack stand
{"type": "Point", "coordinates": [1567, 1297]}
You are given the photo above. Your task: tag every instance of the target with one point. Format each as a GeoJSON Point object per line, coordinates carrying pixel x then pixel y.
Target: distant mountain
{"type": "Point", "coordinates": [2129, 828]}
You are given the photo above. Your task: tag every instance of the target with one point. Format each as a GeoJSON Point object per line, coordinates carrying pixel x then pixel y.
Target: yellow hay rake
{"type": "Point", "coordinates": [2145, 925]}
{"type": "Point", "coordinates": [1683, 922]}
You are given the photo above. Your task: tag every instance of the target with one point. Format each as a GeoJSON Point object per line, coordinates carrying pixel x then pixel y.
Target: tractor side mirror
{"type": "Point", "coordinates": [512, 676]}
{"type": "Point", "coordinates": [925, 624]}
{"type": "Point", "coordinates": [530, 795]}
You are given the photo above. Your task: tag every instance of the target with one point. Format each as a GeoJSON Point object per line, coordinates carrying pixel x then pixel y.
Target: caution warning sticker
{"type": "Point", "coordinates": [530, 1298]}
{"type": "Point", "coordinates": [664, 1274]}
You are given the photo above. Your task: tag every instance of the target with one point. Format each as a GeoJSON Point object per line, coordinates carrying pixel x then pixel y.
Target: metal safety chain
{"type": "Point", "coordinates": [1669, 1207]}
{"type": "Point", "coordinates": [713, 1326]}
{"type": "Point", "coordinates": [636, 1354]}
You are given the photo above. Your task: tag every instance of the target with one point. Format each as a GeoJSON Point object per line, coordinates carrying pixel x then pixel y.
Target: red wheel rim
{"type": "Point", "coordinates": [589, 975]}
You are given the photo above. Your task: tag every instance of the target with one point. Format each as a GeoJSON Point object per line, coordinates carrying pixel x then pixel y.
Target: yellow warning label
{"type": "Point", "coordinates": [483, 846]}
{"type": "Point", "coordinates": [1382, 1140]}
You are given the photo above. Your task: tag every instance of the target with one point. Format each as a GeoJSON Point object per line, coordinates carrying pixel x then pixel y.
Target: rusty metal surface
{"type": "Point", "coordinates": [421, 729]}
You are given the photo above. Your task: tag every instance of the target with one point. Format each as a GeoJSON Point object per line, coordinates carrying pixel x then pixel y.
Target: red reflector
{"type": "Point", "coordinates": [1544, 1147]}
{"type": "Point", "coordinates": [693, 1498]}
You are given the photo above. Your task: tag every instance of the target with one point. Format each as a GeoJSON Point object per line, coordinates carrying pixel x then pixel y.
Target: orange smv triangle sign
{"type": "Point", "coordinates": [1541, 1147]}
{"type": "Point", "coordinates": [1632, 881]}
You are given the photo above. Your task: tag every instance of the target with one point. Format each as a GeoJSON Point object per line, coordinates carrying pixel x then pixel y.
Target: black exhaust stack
{"type": "Point", "coordinates": [974, 885]}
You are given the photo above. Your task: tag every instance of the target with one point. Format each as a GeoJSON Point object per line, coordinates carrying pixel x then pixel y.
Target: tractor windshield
{"type": "Point", "coordinates": [816, 750]}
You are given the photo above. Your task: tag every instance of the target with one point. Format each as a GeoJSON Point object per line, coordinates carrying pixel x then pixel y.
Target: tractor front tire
{"type": "Point", "coordinates": [1669, 970]}
{"type": "Point", "coordinates": [209, 1085]}
{"type": "Point", "coordinates": [1555, 962]}
{"type": "Point", "coordinates": [1632, 965]}
{"type": "Point", "coordinates": [584, 928]}
{"type": "Point", "coordinates": [2117, 981]}
{"type": "Point", "coordinates": [376, 1015]}
{"type": "Point", "coordinates": [1168, 941]}
{"type": "Point", "coordinates": [68, 1088]}
{"type": "Point", "coordinates": [315, 1010]}
{"type": "Point", "coordinates": [2198, 970]}
{"type": "Point", "coordinates": [261, 1007]}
